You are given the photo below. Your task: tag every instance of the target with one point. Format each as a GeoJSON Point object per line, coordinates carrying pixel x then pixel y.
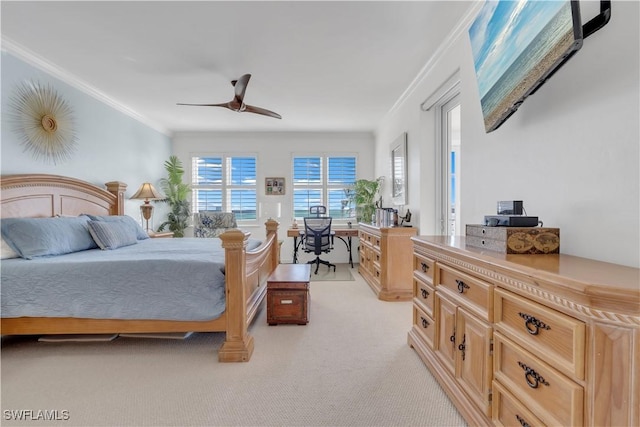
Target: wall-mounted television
{"type": "Point", "coordinates": [516, 46]}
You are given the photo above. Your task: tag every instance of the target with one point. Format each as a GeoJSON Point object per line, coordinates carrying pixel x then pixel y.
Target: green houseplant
{"type": "Point", "coordinates": [176, 193]}
{"type": "Point", "coordinates": [365, 192]}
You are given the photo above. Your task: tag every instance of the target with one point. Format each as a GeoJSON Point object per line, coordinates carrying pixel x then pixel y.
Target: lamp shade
{"type": "Point", "coordinates": [147, 192]}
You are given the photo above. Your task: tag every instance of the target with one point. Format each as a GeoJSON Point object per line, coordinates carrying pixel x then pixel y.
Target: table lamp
{"type": "Point", "coordinates": [147, 192]}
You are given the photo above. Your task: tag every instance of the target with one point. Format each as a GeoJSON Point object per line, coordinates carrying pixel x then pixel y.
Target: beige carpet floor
{"type": "Point", "coordinates": [350, 366]}
{"type": "Point", "coordinates": [341, 273]}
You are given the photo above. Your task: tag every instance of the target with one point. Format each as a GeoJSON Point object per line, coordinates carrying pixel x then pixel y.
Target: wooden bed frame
{"type": "Point", "coordinates": [246, 271]}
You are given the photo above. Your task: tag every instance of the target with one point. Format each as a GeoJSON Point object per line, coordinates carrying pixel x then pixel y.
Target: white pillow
{"type": "Point", "coordinates": [7, 251]}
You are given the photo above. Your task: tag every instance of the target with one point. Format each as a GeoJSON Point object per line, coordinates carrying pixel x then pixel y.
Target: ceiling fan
{"type": "Point", "coordinates": [237, 103]}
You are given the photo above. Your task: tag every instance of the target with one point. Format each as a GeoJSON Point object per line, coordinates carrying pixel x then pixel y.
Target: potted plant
{"type": "Point", "coordinates": [176, 193]}
{"type": "Point", "coordinates": [365, 192]}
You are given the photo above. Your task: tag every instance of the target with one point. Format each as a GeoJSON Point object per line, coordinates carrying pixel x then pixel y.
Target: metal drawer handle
{"type": "Point", "coordinates": [424, 266]}
{"type": "Point", "coordinates": [533, 325]}
{"type": "Point", "coordinates": [461, 286]}
{"type": "Point", "coordinates": [532, 377]}
{"type": "Point", "coordinates": [425, 294]}
{"type": "Point", "coordinates": [522, 422]}
{"type": "Point", "coordinates": [462, 346]}
{"type": "Point", "coordinates": [425, 324]}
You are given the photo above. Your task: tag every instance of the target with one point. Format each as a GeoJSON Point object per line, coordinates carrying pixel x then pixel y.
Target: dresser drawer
{"type": "Point", "coordinates": [375, 256]}
{"type": "Point", "coordinates": [551, 335]}
{"type": "Point", "coordinates": [423, 266]}
{"type": "Point", "coordinates": [424, 324]}
{"type": "Point", "coordinates": [477, 293]}
{"type": "Point", "coordinates": [509, 411]}
{"type": "Point", "coordinates": [555, 399]}
{"type": "Point", "coordinates": [375, 273]}
{"type": "Point", "coordinates": [424, 295]}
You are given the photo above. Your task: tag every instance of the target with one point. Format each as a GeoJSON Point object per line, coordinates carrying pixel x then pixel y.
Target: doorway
{"type": "Point", "coordinates": [448, 157]}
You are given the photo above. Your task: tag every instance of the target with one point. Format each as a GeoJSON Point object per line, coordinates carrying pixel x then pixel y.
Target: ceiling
{"type": "Point", "coordinates": [324, 66]}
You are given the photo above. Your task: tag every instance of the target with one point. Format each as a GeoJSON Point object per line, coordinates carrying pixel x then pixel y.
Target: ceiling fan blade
{"type": "Point", "coordinates": [264, 112]}
{"type": "Point", "coordinates": [226, 105]}
{"type": "Point", "coordinates": [241, 86]}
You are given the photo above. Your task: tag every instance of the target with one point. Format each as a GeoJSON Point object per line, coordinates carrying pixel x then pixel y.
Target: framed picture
{"type": "Point", "coordinates": [399, 170]}
{"type": "Point", "coordinates": [274, 186]}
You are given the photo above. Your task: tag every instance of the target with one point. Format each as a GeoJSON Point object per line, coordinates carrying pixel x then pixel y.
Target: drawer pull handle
{"type": "Point", "coordinates": [532, 377]}
{"type": "Point", "coordinates": [424, 266]}
{"type": "Point", "coordinates": [425, 294]}
{"type": "Point", "coordinates": [533, 325]}
{"type": "Point", "coordinates": [461, 286]}
{"type": "Point", "coordinates": [522, 422]}
{"type": "Point", "coordinates": [462, 346]}
{"type": "Point", "coordinates": [425, 324]}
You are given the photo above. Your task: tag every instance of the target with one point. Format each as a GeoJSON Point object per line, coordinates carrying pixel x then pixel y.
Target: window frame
{"type": "Point", "coordinates": [226, 187]}
{"type": "Point", "coordinates": [324, 186]}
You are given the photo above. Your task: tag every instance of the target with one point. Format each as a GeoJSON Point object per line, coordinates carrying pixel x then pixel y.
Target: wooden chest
{"type": "Point", "coordinates": [288, 294]}
{"type": "Point", "coordinates": [514, 240]}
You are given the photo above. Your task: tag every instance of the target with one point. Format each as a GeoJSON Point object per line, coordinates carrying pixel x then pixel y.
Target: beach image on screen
{"type": "Point", "coordinates": [515, 44]}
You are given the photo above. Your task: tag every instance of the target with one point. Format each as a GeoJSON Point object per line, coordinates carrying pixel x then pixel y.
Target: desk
{"type": "Point", "coordinates": [340, 233]}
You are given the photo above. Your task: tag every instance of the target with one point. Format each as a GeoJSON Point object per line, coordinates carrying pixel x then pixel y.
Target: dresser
{"type": "Point", "coordinates": [527, 340]}
{"type": "Point", "coordinates": [386, 262]}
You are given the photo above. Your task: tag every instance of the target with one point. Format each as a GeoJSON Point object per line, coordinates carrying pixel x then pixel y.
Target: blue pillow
{"type": "Point", "coordinates": [111, 234]}
{"type": "Point", "coordinates": [135, 227]}
{"type": "Point", "coordinates": [33, 237]}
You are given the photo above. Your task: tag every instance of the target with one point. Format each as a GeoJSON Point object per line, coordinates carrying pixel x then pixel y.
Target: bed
{"type": "Point", "coordinates": [244, 269]}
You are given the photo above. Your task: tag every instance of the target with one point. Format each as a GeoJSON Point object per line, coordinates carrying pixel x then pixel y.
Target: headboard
{"type": "Point", "coordinates": [41, 195]}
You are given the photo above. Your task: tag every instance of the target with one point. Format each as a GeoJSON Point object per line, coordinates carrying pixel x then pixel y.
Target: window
{"type": "Point", "coordinates": [225, 184]}
{"type": "Point", "coordinates": [324, 180]}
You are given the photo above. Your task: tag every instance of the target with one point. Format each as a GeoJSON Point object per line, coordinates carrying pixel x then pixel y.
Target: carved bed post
{"type": "Point", "coordinates": [238, 345]}
{"type": "Point", "coordinates": [117, 188]}
{"type": "Point", "coordinates": [272, 227]}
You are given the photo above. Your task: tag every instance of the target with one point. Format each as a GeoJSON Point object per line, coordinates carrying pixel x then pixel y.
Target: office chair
{"type": "Point", "coordinates": [317, 239]}
{"type": "Point", "coordinates": [317, 210]}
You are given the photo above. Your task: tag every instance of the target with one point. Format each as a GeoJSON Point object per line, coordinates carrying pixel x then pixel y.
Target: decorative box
{"type": "Point", "coordinates": [288, 294]}
{"type": "Point", "coordinates": [514, 240]}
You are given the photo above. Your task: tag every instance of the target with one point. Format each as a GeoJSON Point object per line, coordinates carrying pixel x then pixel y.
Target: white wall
{"type": "Point", "coordinates": [275, 151]}
{"type": "Point", "coordinates": [571, 151]}
{"type": "Point", "coordinates": [111, 145]}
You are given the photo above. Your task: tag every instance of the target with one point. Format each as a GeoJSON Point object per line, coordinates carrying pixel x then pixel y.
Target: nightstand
{"type": "Point", "coordinates": [161, 235]}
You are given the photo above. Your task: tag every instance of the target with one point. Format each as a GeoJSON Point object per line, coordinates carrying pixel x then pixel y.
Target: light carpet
{"type": "Point", "coordinates": [350, 366]}
{"type": "Point", "coordinates": [342, 273]}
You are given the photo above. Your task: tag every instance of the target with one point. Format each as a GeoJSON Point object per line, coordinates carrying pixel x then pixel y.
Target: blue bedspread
{"type": "Point", "coordinates": [169, 279]}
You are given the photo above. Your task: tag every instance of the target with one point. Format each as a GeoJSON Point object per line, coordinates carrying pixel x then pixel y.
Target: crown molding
{"type": "Point", "coordinates": [462, 25]}
{"type": "Point", "coordinates": [42, 64]}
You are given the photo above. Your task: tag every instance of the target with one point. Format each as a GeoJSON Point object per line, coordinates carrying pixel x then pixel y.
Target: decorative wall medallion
{"type": "Point", "coordinates": [43, 121]}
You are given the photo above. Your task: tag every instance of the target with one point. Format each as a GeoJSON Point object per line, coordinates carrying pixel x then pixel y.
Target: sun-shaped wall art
{"type": "Point", "coordinates": [43, 121]}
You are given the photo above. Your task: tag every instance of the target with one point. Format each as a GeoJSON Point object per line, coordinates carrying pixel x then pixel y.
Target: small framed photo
{"type": "Point", "coordinates": [274, 186]}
